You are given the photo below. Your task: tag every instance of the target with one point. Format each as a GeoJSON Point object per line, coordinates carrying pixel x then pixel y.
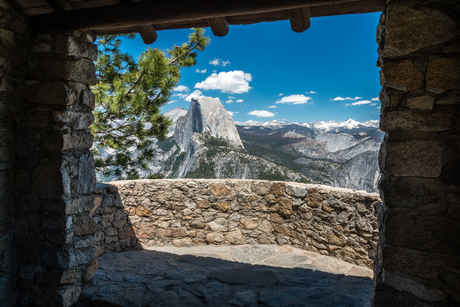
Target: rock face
{"type": "Point", "coordinates": [183, 212]}
{"type": "Point", "coordinates": [206, 116]}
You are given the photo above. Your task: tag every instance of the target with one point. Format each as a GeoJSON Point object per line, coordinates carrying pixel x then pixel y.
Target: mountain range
{"type": "Point", "coordinates": [205, 142]}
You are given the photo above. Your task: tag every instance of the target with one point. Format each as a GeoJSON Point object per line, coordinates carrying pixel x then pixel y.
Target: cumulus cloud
{"type": "Point", "coordinates": [261, 113]}
{"type": "Point", "coordinates": [273, 107]}
{"type": "Point", "coordinates": [295, 99]}
{"type": "Point", "coordinates": [181, 88]}
{"type": "Point", "coordinates": [360, 103]}
{"type": "Point", "coordinates": [375, 99]}
{"type": "Point", "coordinates": [203, 71]}
{"type": "Point", "coordinates": [180, 95]}
{"type": "Point", "coordinates": [171, 101]}
{"type": "Point", "coordinates": [311, 92]}
{"type": "Point", "coordinates": [234, 82]}
{"type": "Point", "coordinates": [280, 94]}
{"type": "Point", "coordinates": [345, 98]}
{"type": "Point", "coordinates": [232, 113]}
{"type": "Point", "coordinates": [214, 62]}
{"type": "Point", "coordinates": [219, 62]}
{"type": "Point", "coordinates": [194, 94]}
{"type": "Point", "coordinates": [230, 100]}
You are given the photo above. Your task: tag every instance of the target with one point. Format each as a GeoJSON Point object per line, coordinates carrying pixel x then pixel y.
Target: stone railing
{"type": "Point", "coordinates": [182, 212]}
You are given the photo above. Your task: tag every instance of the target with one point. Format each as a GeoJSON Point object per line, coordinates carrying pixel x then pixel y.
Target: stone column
{"type": "Point", "coordinates": [418, 258]}
{"type": "Point", "coordinates": [55, 171]}
{"type": "Point", "coordinates": [14, 47]}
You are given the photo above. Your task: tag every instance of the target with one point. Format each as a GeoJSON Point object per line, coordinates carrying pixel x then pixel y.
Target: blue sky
{"type": "Point", "coordinates": [266, 71]}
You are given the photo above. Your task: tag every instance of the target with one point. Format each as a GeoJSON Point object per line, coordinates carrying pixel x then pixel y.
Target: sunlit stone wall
{"type": "Point", "coordinates": [331, 221]}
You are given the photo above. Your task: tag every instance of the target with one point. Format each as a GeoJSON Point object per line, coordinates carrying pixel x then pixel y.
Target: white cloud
{"type": "Point", "coordinates": [375, 99]}
{"type": "Point", "coordinates": [311, 92]}
{"type": "Point", "coordinates": [234, 82]}
{"type": "Point", "coordinates": [194, 94]}
{"type": "Point", "coordinates": [280, 94]}
{"type": "Point", "coordinates": [214, 71]}
{"type": "Point", "coordinates": [219, 62]}
{"type": "Point", "coordinates": [232, 113]}
{"type": "Point", "coordinates": [345, 98]}
{"type": "Point", "coordinates": [203, 71]}
{"type": "Point", "coordinates": [295, 99]}
{"type": "Point", "coordinates": [273, 107]}
{"type": "Point", "coordinates": [182, 96]}
{"type": "Point", "coordinates": [230, 100]}
{"type": "Point", "coordinates": [261, 113]}
{"type": "Point", "coordinates": [171, 101]}
{"type": "Point", "coordinates": [231, 97]}
{"type": "Point", "coordinates": [214, 62]}
{"type": "Point", "coordinates": [359, 103]}
{"type": "Point", "coordinates": [341, 98]}
{"type": "Point", "coordinates": [181, 88]}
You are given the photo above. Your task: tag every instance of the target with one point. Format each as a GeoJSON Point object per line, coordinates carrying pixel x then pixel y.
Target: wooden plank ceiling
{"type": "Point", "coordinates": [98, 17]}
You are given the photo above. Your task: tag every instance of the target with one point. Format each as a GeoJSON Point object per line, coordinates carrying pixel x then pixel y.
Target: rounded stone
{"type": "Point", "coordinates": [401, 75]}
{"type": "Point", "coordinates": [443, 74]}
{"type": "Point", "coordinates": [407, 29]}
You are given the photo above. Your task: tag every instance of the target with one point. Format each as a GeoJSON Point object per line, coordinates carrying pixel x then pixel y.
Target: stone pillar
{"type": "Point", "coordinates": [418, 258]}
{"type": "Point", "coordinates": [55, 171]}
{"type": "Point", "coordinates": [14, 39]}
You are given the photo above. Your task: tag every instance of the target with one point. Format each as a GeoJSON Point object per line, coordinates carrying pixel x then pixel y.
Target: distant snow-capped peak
{"type": "Point", "coordinates": [318, 125]}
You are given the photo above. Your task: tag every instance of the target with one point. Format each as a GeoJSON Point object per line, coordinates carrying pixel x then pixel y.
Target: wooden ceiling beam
{"type": "Point", "coordinates": [158, 12]}
{"type": "Point", "coordinates": [300, 19]}
{"type": "Point", "coordinates": [59, 5]}
{"type": "Point", "coordinates": [219, 26]}
{"type": "Point", "coordinates": [148, 34]}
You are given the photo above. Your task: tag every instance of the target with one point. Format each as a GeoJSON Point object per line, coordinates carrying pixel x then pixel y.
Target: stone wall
{"type": "Point", "coordinates": [418, 261]}
{"type": "Point", "coordinates": [14, 37]}
{"type": "Point", "coordinates": [331, 221]}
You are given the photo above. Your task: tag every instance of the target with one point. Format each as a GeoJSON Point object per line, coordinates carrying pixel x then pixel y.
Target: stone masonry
{"type": "Point", "coordinates": [46, 169]}
{"type": "Point", "coordinates": [418, 261]}
{"type": "Point", "coordinates": [13, 71]}
{"type": "Point", "coordinates": [182, 212]}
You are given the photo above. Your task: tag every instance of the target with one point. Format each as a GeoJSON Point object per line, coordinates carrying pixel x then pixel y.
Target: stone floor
{"type": "Point", "coordinates": [247, 275]}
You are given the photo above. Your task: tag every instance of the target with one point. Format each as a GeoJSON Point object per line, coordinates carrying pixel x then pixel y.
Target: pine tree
{"type": "Point", "coordinates": [129, 95]}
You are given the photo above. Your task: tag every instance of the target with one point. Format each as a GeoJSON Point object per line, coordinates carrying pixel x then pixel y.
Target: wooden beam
{"type": "Point", "coordinates": [59, 5]}
{"type": "Point", "coordinates": [300, 19]}
{"type": "Point", "coordinates": [148, 34]}
{"type": "Point", "coordinates": [158, 12]}
{"type": "Point", "coordinates": [365, 6]}
{"type": "Point", "coordinates": [219, 26]}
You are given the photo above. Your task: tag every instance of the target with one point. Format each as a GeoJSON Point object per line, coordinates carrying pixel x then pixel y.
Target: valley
{"type": "Point", "coordinates": [204, 142]}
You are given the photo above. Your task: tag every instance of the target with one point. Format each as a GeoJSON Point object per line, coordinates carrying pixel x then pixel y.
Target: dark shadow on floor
{"type": "Point", "coordinates": [150, 278]}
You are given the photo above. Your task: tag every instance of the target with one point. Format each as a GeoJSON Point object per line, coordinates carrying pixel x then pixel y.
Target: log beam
{"type": "Point", "coordinates": [219, 26]}
{"type": "Point", "coordinates": [300, 19]}
{"type": "Point", "coordinates": [133, 14]}
{"type": "Point", "coordinates": [148, 34]}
